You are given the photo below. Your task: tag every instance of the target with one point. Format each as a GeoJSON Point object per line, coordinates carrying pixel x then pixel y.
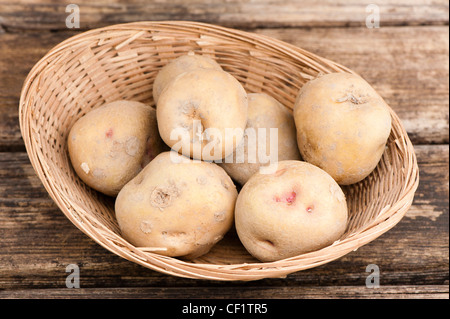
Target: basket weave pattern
{"type": "Point", "coordinates": [121, 62]}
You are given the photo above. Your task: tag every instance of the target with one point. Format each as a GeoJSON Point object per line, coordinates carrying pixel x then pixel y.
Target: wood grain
{"type": "Point", "coordinates": [51, 15]}
{"type": "Point", "coordinates": [408, 66]}
{"type": "Point", "coordinates": [406, 60]}
{"type": "Point", "coordinates": [38, 242]}
{"type": "Point", "coordinates": [191, 294]}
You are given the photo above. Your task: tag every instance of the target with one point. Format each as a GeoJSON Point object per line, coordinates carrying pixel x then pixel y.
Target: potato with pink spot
{"type": "Point", "coordinates": [177, 206]}
{"type": "Point", "coordinates": [112, 143]}
{"type": "Point", "coordinates": [296, 209]}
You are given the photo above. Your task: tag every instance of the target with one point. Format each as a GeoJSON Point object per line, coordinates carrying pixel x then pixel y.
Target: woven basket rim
{"type": "Point", "coordinates": [386, 219]}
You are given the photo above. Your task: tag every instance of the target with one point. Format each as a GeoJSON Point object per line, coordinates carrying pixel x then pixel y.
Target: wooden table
{"type": "Point", "coordinates": [405, 59]}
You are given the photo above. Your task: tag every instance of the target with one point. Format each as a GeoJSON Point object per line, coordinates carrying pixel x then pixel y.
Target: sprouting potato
{"type": "Point", "coordinates": [111, 144]}
{"type": "Point", "coordinates": [342, 126]}
{"type": "Point", "coordinates": [202, 114]}
{"type": "Point", "coordinates": [181, 206]}
{"type": "Point", "coordinates": [183, 63]}
{"type": "Point", "coordinates": [264, 113]}
{"type": "Point", "coordinates": [297, 209]}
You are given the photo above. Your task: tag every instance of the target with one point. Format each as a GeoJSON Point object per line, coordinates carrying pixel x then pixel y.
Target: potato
{"type": "Point", "coordinates": [202, 114]}
{"type": "Point", "coordinates": [342, 126]}
{"type": "Point", "coordinates": [264, 112]}
{"type": "Point", "coordinates": [110, 144]}
{"type": "Point", "coordinates": [175, 203]}
{"type": "Point", "coordinates": [297, 209]}
{"type": "Point", "coordinates": [180, 65]}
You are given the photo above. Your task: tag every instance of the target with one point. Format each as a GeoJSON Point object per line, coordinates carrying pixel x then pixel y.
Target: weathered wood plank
{"type": "Point", "coordinates": [49, 14]}
{"type": "Point", "coordinates": [38, 242]}
{"type": "Point", "coordinates": [19, 52]}
{"type": "Point", "coordinates": [190, 294]}
{"type": "Point", "coordinates": [408, 66]}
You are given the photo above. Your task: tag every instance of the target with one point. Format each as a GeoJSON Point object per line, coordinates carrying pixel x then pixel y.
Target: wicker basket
{"type": "Point", "coordinates": [121, 62]}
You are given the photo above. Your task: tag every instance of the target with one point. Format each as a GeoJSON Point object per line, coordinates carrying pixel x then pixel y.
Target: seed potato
{"type": "Point", "coordinates": [110, 145]}
{"type": "Point", "coordinates": [297, 209]}
{"type": "Point", "coordinates": [342, 126]}
{"type": "Point", "coordinates": [181, 206]}
{"type": "Point", "coordinates": [264, 112]}
{"type": "Point", "coordinates": [177, 204]}
{"type": "Point", "coordinates": [203, 114]}
{"type": "Point", "coordinates": [183, 63]}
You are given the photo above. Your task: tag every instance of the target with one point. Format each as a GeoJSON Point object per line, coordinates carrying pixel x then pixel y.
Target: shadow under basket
{"type": "Point", "coordinates": [121, 62]}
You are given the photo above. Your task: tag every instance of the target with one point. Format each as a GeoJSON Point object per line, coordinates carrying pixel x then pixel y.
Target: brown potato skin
{"type": "Point", "coordinates": [109, 145]}
{"type": "Point", "coordinates": [177, 204]}
{"type": "Point", "coordinates": [198, 101]}
{"type": "Point", "coordinates": [265, 112]}
{"type": "Point", "coordinates": [342, 126]}
{"type": "Point", "coordinates": [175, 67]}
{"type": "Point", "coordinates": [297, 209]}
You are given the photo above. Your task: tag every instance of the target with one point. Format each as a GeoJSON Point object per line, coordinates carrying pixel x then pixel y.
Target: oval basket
{"type": "Point", "coordinates": [121, 62]}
